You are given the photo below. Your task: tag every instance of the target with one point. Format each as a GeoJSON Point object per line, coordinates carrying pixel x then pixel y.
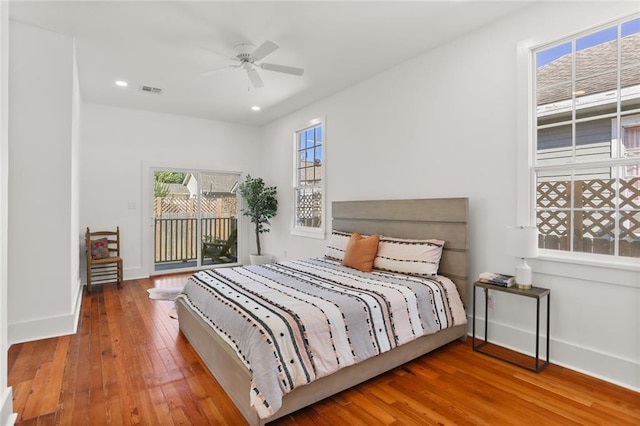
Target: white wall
{"type": "Point", "coordinates": [444, 125]}
{"type": "Point", "coordinates": [6, 394]}
{"type": "Point", "coordinates": [42, 282]}
{"type": "Point", "coordinates": [118, 147]}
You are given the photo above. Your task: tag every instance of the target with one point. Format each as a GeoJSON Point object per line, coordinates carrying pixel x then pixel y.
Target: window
{"type": "Point", "coordinates": [309, 180]}
{"type": "Point", "coordinates": [586, 164]}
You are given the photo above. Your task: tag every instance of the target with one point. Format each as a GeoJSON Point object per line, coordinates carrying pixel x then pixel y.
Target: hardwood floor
{"type": "Point", "coordinates": [128, 364]}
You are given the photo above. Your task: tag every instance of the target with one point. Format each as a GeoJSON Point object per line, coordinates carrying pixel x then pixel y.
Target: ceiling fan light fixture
{"type": "Point", "coordinates": [243, 51]}
{"type": "Point", "coordinates": [121, 83]}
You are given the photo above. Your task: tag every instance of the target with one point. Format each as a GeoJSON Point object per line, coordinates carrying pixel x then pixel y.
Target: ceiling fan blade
{"type": "Point", "coordinates": [213, 71]}
{"type": "Point", "coordinates": [282, 68]}
{"type": "Point", "coordinates": [255, 79]}
{"type": "Point", "coordinates": [263, 50]}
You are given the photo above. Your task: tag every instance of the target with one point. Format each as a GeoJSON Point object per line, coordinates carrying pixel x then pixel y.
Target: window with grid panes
{"type": "Point", "coordinates": [308, 180]}
{"type": "Point", "coordinates": [587, 142]}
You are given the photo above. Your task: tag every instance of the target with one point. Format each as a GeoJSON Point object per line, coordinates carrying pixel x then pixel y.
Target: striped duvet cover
{"type": "Point", "coordinates": [296, 321]}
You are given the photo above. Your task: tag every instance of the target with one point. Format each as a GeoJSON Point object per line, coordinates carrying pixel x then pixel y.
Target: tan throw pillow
{"type": "Point", "coordinates": [361, 252]}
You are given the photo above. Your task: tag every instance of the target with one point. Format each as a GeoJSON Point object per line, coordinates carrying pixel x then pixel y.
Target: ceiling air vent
{"type": "Point", "coordinates": [150, 89]}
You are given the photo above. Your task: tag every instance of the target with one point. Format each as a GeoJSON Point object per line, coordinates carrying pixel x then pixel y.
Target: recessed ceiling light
{"type": "Point", "coordinates": [121, 83]}
{"type": "Point", "coordinates": [255, 108]}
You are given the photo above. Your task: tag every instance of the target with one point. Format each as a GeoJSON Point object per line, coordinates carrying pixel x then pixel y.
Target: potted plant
{"type": "Point", "coordinates": [261, 205]}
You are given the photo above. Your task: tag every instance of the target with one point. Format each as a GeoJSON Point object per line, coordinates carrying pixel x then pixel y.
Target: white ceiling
{"type": "Point", "coordinates": [169, 44]}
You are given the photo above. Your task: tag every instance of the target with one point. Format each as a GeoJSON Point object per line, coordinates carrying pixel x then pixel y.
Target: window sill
{"type": "Point", "coordinates": [624, 272]}
{"type": "Point", "coordinates": [308, 232]}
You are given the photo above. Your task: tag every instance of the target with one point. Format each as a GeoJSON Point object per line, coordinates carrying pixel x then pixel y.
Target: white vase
{"type": "Point", "coordinates": [259, 259]}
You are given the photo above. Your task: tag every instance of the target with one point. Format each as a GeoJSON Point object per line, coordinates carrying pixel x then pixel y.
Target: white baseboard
{"type": "Point", "coordinates": [7, 416]}
{"type": "Point", "coordinates": [608, 367]}
{"type": "Point", "coordinates": [132, 273]}
{"type": "Point", "coordinates": [44, 328]}
{"type": "Point", "coordinates": [77, 306]}
{"type": "Point", "coordinates": [592, 362]}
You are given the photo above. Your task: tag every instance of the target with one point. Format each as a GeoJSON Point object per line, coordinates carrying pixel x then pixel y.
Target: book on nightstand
{"type": "Point", "coordinates": [494, 278]}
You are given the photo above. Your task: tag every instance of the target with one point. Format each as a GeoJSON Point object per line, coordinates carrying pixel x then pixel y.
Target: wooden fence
{"type": "Point", "coordinates": [587, 211]}
{"type": "Point", "coordinates": [183, 207]}
{"type": "Point", "coordinates": [176, 240]}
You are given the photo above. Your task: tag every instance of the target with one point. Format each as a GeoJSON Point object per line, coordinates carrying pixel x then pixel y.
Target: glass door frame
{"type": "Point", "coordinates": [148, 218]}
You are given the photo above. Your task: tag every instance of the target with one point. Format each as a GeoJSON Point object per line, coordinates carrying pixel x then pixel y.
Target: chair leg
{"type": "Point", "coordinates": [120, 274]}
{"type": "Point", "coordinates": [88, 278]}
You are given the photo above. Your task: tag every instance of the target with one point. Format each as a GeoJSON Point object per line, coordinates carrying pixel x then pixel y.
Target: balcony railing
{"type": "Point", "coordinates": [176, 240]}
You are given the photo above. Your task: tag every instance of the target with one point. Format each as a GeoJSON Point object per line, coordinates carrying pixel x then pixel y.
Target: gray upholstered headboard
{"type": "Point", "coordinates": [441, 218]}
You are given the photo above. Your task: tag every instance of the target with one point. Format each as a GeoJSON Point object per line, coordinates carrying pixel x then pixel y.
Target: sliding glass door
{"type": "Point", "coordinates": [195, 216]}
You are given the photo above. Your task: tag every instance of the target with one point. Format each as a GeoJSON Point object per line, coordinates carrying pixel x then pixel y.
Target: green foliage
{"type": "Point", "coordinates": [261, 202]}
{"type": "Point", "coordinates": [160, 189]}
{"type": "Point", "coordinates": [161, 179]}
{"type": "Point", "coordinates": [169, 177]}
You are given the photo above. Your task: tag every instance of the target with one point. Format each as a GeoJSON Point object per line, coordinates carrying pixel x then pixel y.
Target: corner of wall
{"type": "Point", "coordinates": [47, 327]}
{"type": "Point", "coordinates": [588, 361]}
{"type": "Point", "coordinates": [7, 417]}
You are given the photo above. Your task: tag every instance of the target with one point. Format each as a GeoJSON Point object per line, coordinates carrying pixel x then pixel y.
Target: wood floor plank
{"type": "Point", "coordinates": [163, 414]}
{"type": "Point", "coordinates": [358, 399]}
{"type": "Point", "coordinates": [128, 364]}
{"type": "Point", "coordinates": [113, 411]}
{"type": "Point", "coordinates": [21, 392]}
{"type": "Point", "coordinates": [22, 369]}
{"type": "Point", "coordinates": [39, 387]}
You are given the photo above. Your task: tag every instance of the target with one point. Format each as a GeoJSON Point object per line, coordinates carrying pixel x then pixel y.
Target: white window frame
{"type": "Point", "coordinates": [307, 231]}
{"type": "Point", "coordinates": [526, 170]}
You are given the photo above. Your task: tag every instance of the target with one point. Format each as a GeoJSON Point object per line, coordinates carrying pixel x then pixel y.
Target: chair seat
{"type": "Point", "coordinates": [221, 251]}
{"type": "Point", "coordinates": [111, 259]}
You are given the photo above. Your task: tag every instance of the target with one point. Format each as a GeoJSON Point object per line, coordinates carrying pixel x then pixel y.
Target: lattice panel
{"type": "Point", "coordinates": [630, 193]}
{"type": "Point", "coordinates": [309, 209]}
{"type": "Point", "coordinates": [629, 225]}
{"type": "Point", "coordinates": [228, 206]}
{"type": "Point", "coordinates": [596, 224]}
{"type": "Point", "coordinates": [552, 222]}
{"type": "Point", "coordinates": [175, 207]}
{"type": "Point", "coordinates": [596, 193]}
{"type": "Point", "coordinates": [307, 206]}
{"type": "Point", "coordinates": [554, 194]}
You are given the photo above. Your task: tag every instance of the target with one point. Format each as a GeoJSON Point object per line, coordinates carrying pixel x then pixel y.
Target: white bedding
{"type": "Point", "coordinates": [293, 322]}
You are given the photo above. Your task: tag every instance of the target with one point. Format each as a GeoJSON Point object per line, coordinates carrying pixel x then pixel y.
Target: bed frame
{"type": "Point", "coordinates": [444, 218]}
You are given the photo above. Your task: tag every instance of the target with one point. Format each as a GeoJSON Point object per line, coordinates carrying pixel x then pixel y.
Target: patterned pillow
{"type": "Point", "coordinates": [100, 248]}
{"type": "Point", "coordinates": [337, 245]}
{"type": "Point", "coordinates": [360, 252]}
{"type": "Point", "coordinates": [416, 257]}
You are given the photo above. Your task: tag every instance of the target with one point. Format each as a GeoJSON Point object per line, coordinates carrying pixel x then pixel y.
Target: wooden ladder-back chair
{"type": "Point", "coordinates": [104, 263]}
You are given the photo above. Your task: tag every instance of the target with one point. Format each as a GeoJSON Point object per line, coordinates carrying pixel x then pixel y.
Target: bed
{"type": "Point", "coordinates": [444, 219]}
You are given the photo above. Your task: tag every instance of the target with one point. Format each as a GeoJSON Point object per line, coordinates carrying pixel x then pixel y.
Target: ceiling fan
{"type": "Point", "coordinates": [249, 58]}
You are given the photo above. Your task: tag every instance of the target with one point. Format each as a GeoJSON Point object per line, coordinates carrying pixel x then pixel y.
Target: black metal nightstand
{"type": "Point", "coordinates": [534, 292]}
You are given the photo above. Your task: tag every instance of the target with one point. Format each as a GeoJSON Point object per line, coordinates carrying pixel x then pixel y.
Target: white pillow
{"type": "Point", "coordinates": [415, 257]}
{"type": "Point", "coordinates": [337, 245]}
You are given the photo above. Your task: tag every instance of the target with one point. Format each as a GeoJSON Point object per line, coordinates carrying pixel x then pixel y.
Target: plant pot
{"type": "Point", "coordinates": [259, 259]}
